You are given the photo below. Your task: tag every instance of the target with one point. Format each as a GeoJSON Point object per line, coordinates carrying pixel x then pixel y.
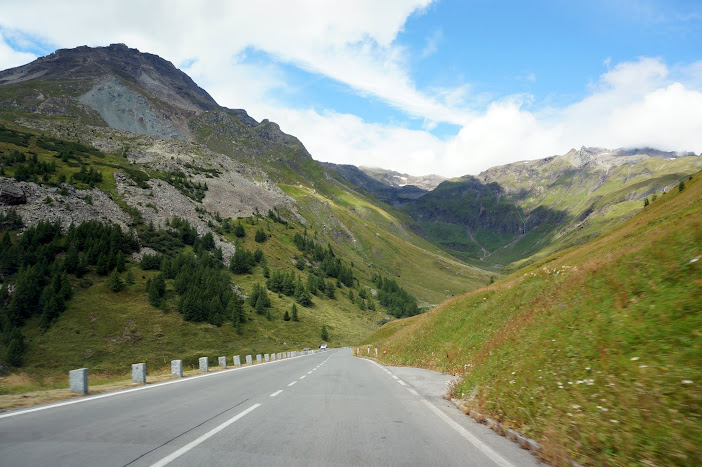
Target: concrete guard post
{"type": "Point", "coordinates": [249, 360]}
{"type": "Point", "coordinates": [78, 380]}
{"type": "Point", "coordinates": [237, 360]}
{"type": "Point", "coordinates": [267, 357]}
{"type": "Point", "coordinates": [222, 362]}
{"type": "Point", "coordinates": [280, 356]}
{"type": "Point", "coordinates": [204, 364]}
{"type": "Point", "coordinates": [272, 357]}
{"type": "Point", "coordinates": [139, 373]}
{"type": "Point", "coordinates": [259, 359]}
{"type": "Point", "coordinates": [177, 368]}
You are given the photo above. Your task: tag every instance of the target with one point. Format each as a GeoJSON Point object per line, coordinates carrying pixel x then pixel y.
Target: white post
{"type": "Point", "coordinates": [204, 364]}
{"type": "Point", "coordinates": [237, 360]}
{"type": "Point", "coordinates": [139, 373]}
{"type": "Point", "coordinates": [177, 368]}
{"type": "Point", "coordinates": [222, 361]}
{"type": "Point", "coordinates": [78, 380]}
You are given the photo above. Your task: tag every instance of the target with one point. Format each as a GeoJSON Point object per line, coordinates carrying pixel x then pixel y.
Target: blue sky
{"type": "Point", "coordinates": [451, 87]}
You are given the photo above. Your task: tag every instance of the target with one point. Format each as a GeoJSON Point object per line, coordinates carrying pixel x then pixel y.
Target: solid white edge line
{"type": "Point", "coordinates": [292, 383]}
{"type": "Point", "coordinates": [141, 388]}
{"type": "Point", "coordinates": [495, 457]}
{"type": "Point", "coordinates": [276, 393]}
{"type": "Point", "coordinates": [168, 459]}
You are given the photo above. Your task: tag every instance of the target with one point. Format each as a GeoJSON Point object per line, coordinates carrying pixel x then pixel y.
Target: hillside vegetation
{"type": "Point", "coordinates": [516, 214]}
{"type": "Point", "coordinates": [70, 181]}
{"type": "Point", "coordinates": [595, 352]}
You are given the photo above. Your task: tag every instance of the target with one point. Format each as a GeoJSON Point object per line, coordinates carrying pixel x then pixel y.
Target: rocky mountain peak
{"type": "Point", "coordinates": [158, 77]}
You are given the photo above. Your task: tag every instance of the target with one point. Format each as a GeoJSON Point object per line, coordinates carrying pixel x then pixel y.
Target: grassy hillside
{"type": "Point", "coordinates": [365, 234]}
{"type": "Point", "coordinates": [595, 352]}
{"type": "Point", "coordinates": [516, 214]}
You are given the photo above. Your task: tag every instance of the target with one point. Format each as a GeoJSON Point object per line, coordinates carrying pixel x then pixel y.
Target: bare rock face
{"type": "Point", "coordinates": [67, 206]}
{"type": "Point", "coordinates": [11, 195]}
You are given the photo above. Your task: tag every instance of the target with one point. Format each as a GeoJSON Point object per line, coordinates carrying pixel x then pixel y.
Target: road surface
{"type": "Point", "coordinates": [327, 408]}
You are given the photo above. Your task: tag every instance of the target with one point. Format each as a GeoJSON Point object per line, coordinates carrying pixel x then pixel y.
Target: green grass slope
{"type": "Point", "coordinates": [595, 352]}
{"type": "Point", "coordinates": [516, 214]}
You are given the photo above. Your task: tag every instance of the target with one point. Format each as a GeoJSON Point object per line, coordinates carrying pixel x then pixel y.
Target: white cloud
{"type": "Point", "coordinates": [10, 58]}
{"type": "Point", "coordinates": [641, 102]}
{"type": "Point", "coordinates": [432, 44]}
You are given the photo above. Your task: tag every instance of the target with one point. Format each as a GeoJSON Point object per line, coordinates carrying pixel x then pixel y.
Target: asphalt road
{"type": "Point", "coordinates": [327, 408]}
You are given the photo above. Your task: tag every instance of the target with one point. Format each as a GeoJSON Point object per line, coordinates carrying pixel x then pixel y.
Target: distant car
{"type": "Point", "coordinates": [323, 347]}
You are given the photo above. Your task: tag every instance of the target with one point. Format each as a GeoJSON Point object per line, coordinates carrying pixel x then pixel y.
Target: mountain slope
{"type": "Point", "coordinates": [114, 135]}
{"type": "Point", "coordinates": [594, 352]}
{"type": "Point", "coordinates": [524, 211]}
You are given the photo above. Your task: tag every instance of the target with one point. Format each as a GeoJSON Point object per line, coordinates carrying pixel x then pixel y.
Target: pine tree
{"type": "Point", "coordinates": [330, 291]}
{"type": "Point", "coordinates": [324, 334]}
{"type": "Point", "coordinates": [286, 316]}
{"type": "Point", "coordinates": [102, 264]}
{"type": "Point", "coordinates": [71, 261]}
{"type": "Point", "coordinates": [260, 236]}
{"type": "Point", "coordinates": [115, 283]}
{"type": "Point", "coordinates": [129, 279]}
{"type": "Point", "coordinates": [259, 306]}
{"type": "Point", "coordinates": [239, 230]}
{"type": "Point", "coordinates": [15, 349]}
{"type": "Point", "coordinates": [294, 313]}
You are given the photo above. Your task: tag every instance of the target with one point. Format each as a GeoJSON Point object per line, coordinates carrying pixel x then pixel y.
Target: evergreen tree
{"type": "Point", "coordinates": [239, 230]}
{"type": "Point", "coordinates": [102, 264]}
{"type": "Point", "coordinates": [260, 236]}
{"type": "Point", "coordinates": [259, 306]}
{"type": "Point", "coordinates": [15, 348]}
{"type": "Point", "coordinates": [207, 241]}
{"type": "Point", "coordinates": [324, 334]}
{"type": "Point", "coordinates": [294, 313]}
{"type": "Point", "coordinates": [302, 296]}
{"type": "Point", "coordinates": [129, 279]}
{"type": "Point", "coordinates": [330, 291]}
{"type": "Point", "coordinates": [115, 283]}
{"type": "Point", "coordinates": [286, 316]}
{"type": "Point", "coordinates": [71, 261]}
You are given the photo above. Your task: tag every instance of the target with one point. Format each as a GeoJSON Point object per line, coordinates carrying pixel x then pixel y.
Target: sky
{"type": "Point", "coordinates": [449, 87]}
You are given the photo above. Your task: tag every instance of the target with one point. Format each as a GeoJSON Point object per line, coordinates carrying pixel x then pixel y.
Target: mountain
{"type": "Point", "coordinates": [593, 352]}
{"type": "Point", "coordinates": [384, 184]}
{"type": "Point", "coordinates": [113, 135]}
{"type": "Point", "coordinates": [526, 210]}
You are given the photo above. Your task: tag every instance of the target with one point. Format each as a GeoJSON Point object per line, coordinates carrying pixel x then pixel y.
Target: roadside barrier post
{"type": "Point", "coordinates": [78, 380]}
{"type": "Point", "coordinates": [204, 364]}
{"type": "Point", "coordinates": [139, 373]}
{"type": "Point", "coordinates": [177, 368]}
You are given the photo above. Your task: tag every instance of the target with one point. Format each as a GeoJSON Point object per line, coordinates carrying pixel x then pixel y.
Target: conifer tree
{"type": "Point", "coordinates": [286, 316]}
{"type": "Point", "coordinates": [102, 264]}
{"type": "Point", "coordinates": [259, 306]}
{"type": "Point", "coordinates": [294, 313]}
{"type": "Point", "coordinates": [129, 278]}
{"type": "Point", "coordinates": [325, 333]}
{"type": "Point", "coordinates": [115, 283]}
